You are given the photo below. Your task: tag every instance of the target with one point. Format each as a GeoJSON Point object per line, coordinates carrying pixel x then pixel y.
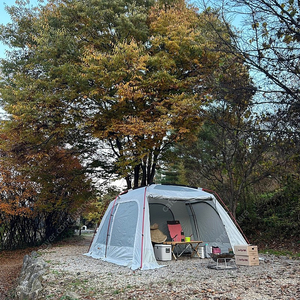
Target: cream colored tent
{"type": "Point", "coordinates": [124, 237]}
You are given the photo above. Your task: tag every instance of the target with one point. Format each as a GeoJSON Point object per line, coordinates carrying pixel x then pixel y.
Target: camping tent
{"type": "Point", "coordinates": [123, 236]}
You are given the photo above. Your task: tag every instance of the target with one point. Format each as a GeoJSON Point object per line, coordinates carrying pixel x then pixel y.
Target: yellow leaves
{"type": "Point", "coordinates": [173, 29]}
{"type": "Point", "coordinates": [288, 39]}
{"type": "Point", "coordinates": [151, 90]}
{"type": "Point", "coordinates": [122, 68]}
{"type": "Point", "coordinates": [129, 55]}
{"type": "Point", "coordinates": [129, 91]}
{"type": "Point", "coordinates": [139, 126]}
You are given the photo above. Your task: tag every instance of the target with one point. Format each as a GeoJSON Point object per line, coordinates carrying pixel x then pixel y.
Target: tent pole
{"type": "Point", "coordinates": [232, 217]}
{"type": "Point", "coordinates": [142, 246]}
{"type": "Point", "coordinates": [94, 235]}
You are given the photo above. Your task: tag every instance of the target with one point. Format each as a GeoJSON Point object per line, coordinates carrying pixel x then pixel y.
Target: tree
{"type": "Point", "coordinates": [232, 146]}
{"type": "Point", "coordinates": [150, 95]}
{"type": "Point", "coordinates": [268, 39]}
{"type": "Point", "coordinates": [266, 36]}
{"type": "Point", "coordinates": [40, 196]}
{"type": "Point", "coordinates": [232, 156]}
{"type": "Point", "coordinates": [112, 73]}
{"type": "Point", "coordinates": [41, 87]}
{"type": "Point", "coordinates": [16, 196]}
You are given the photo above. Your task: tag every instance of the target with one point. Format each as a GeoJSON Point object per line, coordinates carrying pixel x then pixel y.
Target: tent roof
{"type": "Point", "coordinates": [170, 192]}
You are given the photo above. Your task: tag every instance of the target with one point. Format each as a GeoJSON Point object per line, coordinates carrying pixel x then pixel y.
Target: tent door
{"type": "Point", "coordinates": [193, 220]}
{"type": "Point", "coordinates": [209, 227]}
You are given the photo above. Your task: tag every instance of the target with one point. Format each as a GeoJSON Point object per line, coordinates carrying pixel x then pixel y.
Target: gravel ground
{"type": "Point", "coordinates": [71, 275]}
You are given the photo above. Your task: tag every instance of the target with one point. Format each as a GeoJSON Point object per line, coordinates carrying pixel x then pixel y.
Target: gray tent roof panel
{"type": "Point", "coordinates": [177, 193]}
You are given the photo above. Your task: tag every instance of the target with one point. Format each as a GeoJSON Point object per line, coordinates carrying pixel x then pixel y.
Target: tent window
{"type": "Point", "coordinates": [103, 233]}
{"type": "Point", "coordinates": [124, 226]}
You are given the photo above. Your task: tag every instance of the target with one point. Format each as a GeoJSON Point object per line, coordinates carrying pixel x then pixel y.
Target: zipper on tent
{"type": "Point", "coordinates": [232, 217]}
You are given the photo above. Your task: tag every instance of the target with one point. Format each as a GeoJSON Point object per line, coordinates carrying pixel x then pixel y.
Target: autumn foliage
{"type": "Point", "coordinates": [40, 197]}
{"type": "Point", "coordinates": [101, 87]}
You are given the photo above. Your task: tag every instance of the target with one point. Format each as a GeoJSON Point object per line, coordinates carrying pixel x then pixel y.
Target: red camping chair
{"type": "Point", "coordinates": [178, 240]}
{"type": "Point", "coordinates": [176, 232]}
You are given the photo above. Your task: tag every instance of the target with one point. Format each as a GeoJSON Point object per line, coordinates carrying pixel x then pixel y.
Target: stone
{"type": "Point", "coordinates": [29, 282]}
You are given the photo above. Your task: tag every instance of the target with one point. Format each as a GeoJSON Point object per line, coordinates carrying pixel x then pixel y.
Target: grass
{"type": "Point", "coordinates": [281, 253]}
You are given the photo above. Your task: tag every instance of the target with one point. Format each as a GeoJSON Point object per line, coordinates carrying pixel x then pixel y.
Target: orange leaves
{"type": "Point", "coordinates": [15, 191]}
{"type": "Point", "coordinates": [129, 91]}
{"type": "Point", "coordinates": [140, 127]}
{"type": "Point", "coordinates": [13, 209]}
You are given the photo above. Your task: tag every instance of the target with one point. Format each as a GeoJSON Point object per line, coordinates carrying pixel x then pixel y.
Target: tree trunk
{"type": "Point", "coordinates": [136, 176]}
{"type": "Point", "coordinates": [128, 182]}
{"type": "Point", "coordinates": [144, 175]}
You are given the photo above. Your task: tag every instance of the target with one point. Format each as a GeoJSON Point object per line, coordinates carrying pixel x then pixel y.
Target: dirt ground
{"type": "Point", "coordinates": [11, 264]}
{"type": "Point", "coordinates": [10, 267]}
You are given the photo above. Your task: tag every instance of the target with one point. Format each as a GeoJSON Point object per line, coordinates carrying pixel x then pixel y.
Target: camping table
{"type": "Point", "coordinates": [193, 244]}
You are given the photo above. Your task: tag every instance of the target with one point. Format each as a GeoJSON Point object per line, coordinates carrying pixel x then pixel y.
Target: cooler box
{"type": "Point", "coordinates": [162, 252]}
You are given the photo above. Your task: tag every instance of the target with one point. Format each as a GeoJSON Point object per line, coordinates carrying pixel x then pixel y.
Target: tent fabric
{"type": "Point", "coordinates": [124, 235]}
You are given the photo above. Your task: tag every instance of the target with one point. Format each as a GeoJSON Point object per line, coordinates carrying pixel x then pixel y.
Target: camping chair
{"type": "Point", "coordinates": [177, 236]}
{"type": "Point", "coordinates": [175, 230]}
{"type": "Point", "coordinates": [178, 240]}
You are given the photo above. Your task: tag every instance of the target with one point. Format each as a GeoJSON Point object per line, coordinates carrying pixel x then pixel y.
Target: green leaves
{"type": "Point", "coordinates": [121, 72]}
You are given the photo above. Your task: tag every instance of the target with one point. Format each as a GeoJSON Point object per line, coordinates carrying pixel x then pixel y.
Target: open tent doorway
{"type": "Point", "coordinates": [160, 214]}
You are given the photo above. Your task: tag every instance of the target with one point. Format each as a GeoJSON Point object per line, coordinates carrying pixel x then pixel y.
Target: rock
{"type": "Point", "coordinates": [29, 282]}
{"type": "Point", "coordinates": [72, 295]}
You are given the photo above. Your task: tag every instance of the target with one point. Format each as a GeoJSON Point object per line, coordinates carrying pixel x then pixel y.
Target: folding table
{"type": "Point", "coordinates": [194, 245]}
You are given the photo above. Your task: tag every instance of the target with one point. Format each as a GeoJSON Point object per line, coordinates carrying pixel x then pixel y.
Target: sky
{"type": "Point", "coordinates": [5, 18]}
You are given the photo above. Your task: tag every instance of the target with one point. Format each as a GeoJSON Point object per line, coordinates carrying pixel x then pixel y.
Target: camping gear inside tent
{"type": "Point", "coordinates": [157, 236]}
{"type": "Point", "coordinates": [176, 232]}
{"type": "Point", "coordinates": [124, 237]}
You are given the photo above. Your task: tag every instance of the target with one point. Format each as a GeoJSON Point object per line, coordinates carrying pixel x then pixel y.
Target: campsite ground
{"type": "Point", "coordinates": [10, 267]}
{"type": "Point", "coordinates": [71, 275]}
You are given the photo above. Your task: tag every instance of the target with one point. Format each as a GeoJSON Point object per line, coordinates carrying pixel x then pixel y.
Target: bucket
{"type": "Point", "coordinates": [201, 252]}
{"type": "Point", "coordinates": [187, 238]}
